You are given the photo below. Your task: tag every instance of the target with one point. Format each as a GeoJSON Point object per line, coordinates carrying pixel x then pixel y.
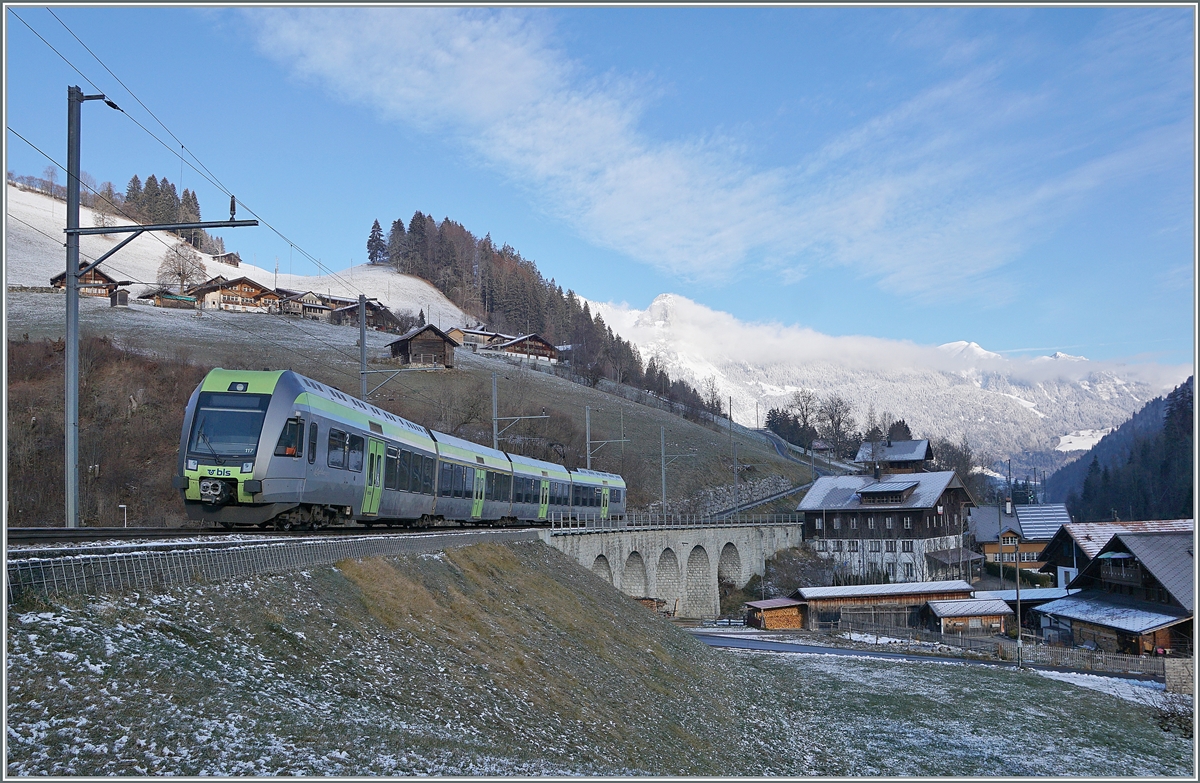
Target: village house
{"type": "Point", "coordinates": [424, 345]}
{"type": "Point", "coordinates": [240, 294]}
{"type": "Point", "coordinates": [379, 317]}
{"type": "Point", "coordinates": [529, 346]}
{"type": "Point", "coordinates": [897, 605]}
{"type": "Point", "coordinates": [895, 456]}
{"type": "Point", "coordinates": [1016, 535]}
{"type": "Point", "coordinates": [1075, 545]}
{"type": "Point", "coordinates": [93, 282]}
{"type": "Point", "coordinates": [891, 525]}
{"type": "Point", "coordinates": [1136, 597]}
{"type": "Point", "coordinates": [232, 259]}
{"type": "Point", "coordinates": [774, 613]}
{"type": "Point", "coordinates": [476, 338]}
{"type": "Point", "coordinates": [971, 616]}
{"type": "Point", "coordinates": [307, 305]}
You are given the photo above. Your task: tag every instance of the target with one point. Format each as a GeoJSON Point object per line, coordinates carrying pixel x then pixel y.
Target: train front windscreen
{"type": "Point", "coordinates": [227, 425]}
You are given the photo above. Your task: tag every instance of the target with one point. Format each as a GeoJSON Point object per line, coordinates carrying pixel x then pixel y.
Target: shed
{"type": "Point", "coordinates": [118, 298]}
{"type": "Point", "coordinates": [887, 604]}
{"type": "Point", "coordinates": [425, 345]}
{"type": "Point", "coordinates": [233, 259]}
{"type": "Point", "coordinates": [969, 616]}
{"type": "Point", "coordinates": [775, 613]}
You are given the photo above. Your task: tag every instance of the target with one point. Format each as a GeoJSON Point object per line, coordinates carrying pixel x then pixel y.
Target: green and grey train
{"type": "Point", "coordinates": [279, 449]}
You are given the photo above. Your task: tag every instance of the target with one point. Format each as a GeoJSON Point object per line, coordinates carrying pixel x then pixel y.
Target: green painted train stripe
{"type": "Point", "coordinates": [257, 381]}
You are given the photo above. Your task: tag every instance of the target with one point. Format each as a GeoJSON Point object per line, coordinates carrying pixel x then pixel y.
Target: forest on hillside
{"type": "Point", "coordinates": [1151, 479]}
{"type": "Point", "coordinates": [507, 293]}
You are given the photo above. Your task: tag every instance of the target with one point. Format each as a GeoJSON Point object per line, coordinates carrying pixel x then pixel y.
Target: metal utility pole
{"type": "Point", "coordinates": [737, 501]}
{"type": "Point", "coordinates": [495, 413]}
{"type": "Point", "coordinates": [662, 437]}
{"type": "Point", "coordinates": [587, 429]}
{"type": "Point", "coordinates": [1017, 574]}
{"type": "Point", "coordinates": [75, 99]}
{"type": "Point", "coordinates": [362, 346]}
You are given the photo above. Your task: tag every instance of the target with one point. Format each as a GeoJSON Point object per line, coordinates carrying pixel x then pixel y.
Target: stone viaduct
{"type": "Point", "coordinates": [680, 565]}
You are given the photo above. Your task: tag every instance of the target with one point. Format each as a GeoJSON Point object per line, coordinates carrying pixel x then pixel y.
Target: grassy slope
{"type": "Point", "coordinates": [441, 400]}
{"type": "Point", "coordinates": [507, 660]}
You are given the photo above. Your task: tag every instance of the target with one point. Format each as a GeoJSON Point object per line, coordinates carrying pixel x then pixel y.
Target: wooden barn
{"type": "Point", "coordinates": [972, 616]}
{"type": "Point", "coordinates": [896, 604]}
{"type": "Point", "coordinates": [529, 346]}
{"type": "Point", "coordinates": [425, 345]}
{"type": "Point", "coordinates": [93, 283]}
{"type": "Point", "coordinates": [775, 613]}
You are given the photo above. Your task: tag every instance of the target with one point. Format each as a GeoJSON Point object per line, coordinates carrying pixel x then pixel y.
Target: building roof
{"type": "Point", "coordinates": [97, 271]}
{"type": "Point", "coordinates": [1113, 611]}
{"type": "Point", "coordinates": [971, 607]}
{"type": "Point", "coordinates": [1167, 556]}
{"type": "Point", "coordinates": [1041, 522]}
{"type": "Point", "coordinates": [842, 493]}
{"type": "Point", "coordinates": [1031, 594]}
{"type": "Point", "coordinates": [1092, 536]}
{"type": "Point", "coordinates": [951, 556]}
{"type": "Point", "coordinates": [774, 603]}
{"type": "Point", "coordinates": [518, 340]}
{"type": "Point", "coordinates": [411, 333]}
{"type": "Point", "coordinates": [894, 588]}
{"type": "Point", "coordinates": [895, 451]}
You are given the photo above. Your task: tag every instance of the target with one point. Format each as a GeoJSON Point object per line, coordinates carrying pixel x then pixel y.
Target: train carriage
{"type": "Point", "coordinates": [541, 490]}
{"type": "Point", "coordinates": [597, 495]}
{"type": "Point", "coordinates": [474, 481]}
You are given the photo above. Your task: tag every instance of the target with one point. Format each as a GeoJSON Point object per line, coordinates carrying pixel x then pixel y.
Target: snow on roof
{"type": "Point", "coordinates": [841, 493]}
{"type": "Point", "coordinates": [895, 451]}
{"type": "Point", "coordinates": [885, 487]}
{"type": "Point", "coordinates": [1032, 594]}
{"type": "Point", "coordinates": [1113, 611]}
{"type": "Point", "coordinates": [1041, 522]}
{"type": "Point", "coordinates": [900, 588]}
{"type": "Point", "coordinates": [773, 603]}
{"type": "Point", "coordinates": [976, 607]}
{"type": "Point", "coordinates": [1092, 536]}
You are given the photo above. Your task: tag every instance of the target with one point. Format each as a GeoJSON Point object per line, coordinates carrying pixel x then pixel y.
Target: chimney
{"type": "Point", "coordinates": [877, 471]}
{"type": "Point", "coordinates": [889, 441]}
{"type": "Point", "coordinates": [1008, 506]}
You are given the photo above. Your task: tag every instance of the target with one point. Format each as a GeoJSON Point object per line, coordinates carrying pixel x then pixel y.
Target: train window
{"type": "Point", "coordinates": [469, 483]}
{"type": "Point", "coordinates": [355, 461]}
{"type": "Point", "coordinates": [291, 439]}
{"type": "Point", "coordinates": [427, 475]}
{"type": "Point", "coordinates": [458, 481]}
{"type": "Point", "coordinates": [596, 497]}
{"type": "Point", "coordinates": [615, 496]}
{"type": "Point", "coordinates": [337, 449]}
{"type": "Point", "coordinates": [403, 474]}
{"type": "Point", "coordinates": [312, 443]}
{"type": "Point", "coordinates": [446, 480]}
{"type": "Point", "coordinates": [415, 463]}
{"type": "Point", "coordinates": [489, 485]}
{"type": "Point", "coordinates": [391, 469]}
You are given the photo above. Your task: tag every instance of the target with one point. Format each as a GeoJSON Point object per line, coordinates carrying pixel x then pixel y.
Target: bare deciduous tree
{"type": "Point", "coordinates": [836, 420]}
{"type": "Point", "coordinates": [182, 266]}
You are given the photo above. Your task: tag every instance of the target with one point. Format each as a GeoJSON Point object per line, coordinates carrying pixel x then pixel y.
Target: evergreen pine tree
{"type": "Point", "coordinates": [396, 244]}
{"type": "Point", "coordinates": [133, 192]}
{"type": "Point", "coordinates": [376, 247]}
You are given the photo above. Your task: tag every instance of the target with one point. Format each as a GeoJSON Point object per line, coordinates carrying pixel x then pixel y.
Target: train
{"type": "Point", "coordinates": [278, 449]}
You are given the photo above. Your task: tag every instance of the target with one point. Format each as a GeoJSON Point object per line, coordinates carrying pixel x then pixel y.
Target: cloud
{"type": "Point", "coordinates": [942, 190]}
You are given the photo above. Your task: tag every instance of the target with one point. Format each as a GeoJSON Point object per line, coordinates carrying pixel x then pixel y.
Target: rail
{"type": "Point", "coordinates": [562, 524]}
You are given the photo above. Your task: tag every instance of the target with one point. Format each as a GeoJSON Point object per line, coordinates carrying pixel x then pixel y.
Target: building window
{"type": "Point", "coordinates": [837, 523]}
{"type": "Point", "coordinates": [891, 571]}
{"type": "Point", "coordinates": [908, 570]}
{"type": "Point", "coordinates": [854, 522]}
{"type": "Point", "coordinates": [873, 545]}
{"type": "Point", "coordinates": [852, 545]}
{"type": "Point", "coordinates": [887, 522]}
{"type": "Point", "coordinates": [891, 545]}
{"type": "Point", "coordinates": [1029, 557]}
{"type": "Point", "coordinates": [906, 545]}
{"type": "Point", "coordinates": [871, 522]}
{"type": "Point", "coordinates": [819, 523]}
{"type": "Point", "coordinates": [1008, 540]}
{"type": "Point", "coordinates": [837, 545]}
{"type": "Point", "coordinates": [908, 523]}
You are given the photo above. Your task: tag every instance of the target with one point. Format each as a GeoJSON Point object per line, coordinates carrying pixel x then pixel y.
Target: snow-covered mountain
{"type": "Point", "coordinates": [34, 253]}
{"type": "Point", "coordinates": [1004, 406]}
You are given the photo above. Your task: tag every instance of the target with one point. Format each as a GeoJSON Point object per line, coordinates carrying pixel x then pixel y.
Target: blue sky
{"type": "Point", "coordinates": [1019, 177]}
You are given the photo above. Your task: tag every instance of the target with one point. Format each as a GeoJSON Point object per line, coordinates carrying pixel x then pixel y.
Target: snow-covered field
{"type": "Point", "coordinates": [512, 660]}
{"type": "Point", "coordinates": [1080, 440]}
{"type": "Point", "coordinates": [34, 253]}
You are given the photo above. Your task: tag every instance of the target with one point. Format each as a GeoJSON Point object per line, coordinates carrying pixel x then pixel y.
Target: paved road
{"type": "Point", "coordinates": [717, 640]}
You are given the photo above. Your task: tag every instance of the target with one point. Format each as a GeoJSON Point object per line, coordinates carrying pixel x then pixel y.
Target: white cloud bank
{"type": "Point", "coordinates": [934, 193]}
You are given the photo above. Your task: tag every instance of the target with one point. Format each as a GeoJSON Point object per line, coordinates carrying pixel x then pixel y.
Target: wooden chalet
{"type": "Point", "coordinates": [889, 526]}
{"type": "Point", "coordinates": [775, 613]}
{"type": "Point", "coordinates": [1136, 597]}
{"type": "Point", "coordinates": [379, 317]}
{"type": "Point", "coordinates": [895, 456]}
{"type": "Point", "coordinates": [306, 305]}
{"type": "Point", "coordinates": [476, 338]}
{"type": "Point", "coordinates": [232, 259]}
{"type": "Point", "coordinates": [529, 346]}
{"type": "Point", "coordinates": [93, 282]}
{"type": "Point", "coordinates": [240, 294]}
{"type": "Point", "coordinates": [1076, 544]}
{"type": "Point", "coordinates": [972, 616]}
{"type": "Point", "coordinates": [424, 345]}
{"type": "Point", "coordinates": [887, 604]}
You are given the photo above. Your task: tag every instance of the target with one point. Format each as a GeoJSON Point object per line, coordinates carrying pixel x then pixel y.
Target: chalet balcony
{"type": "Point", "coordinates": [1120, 573]}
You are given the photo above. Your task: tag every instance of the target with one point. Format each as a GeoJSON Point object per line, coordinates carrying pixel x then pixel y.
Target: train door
{"type": "Point", "coordinates": [480, 484]}
{"type": "Point", "coordinates": [374, 490]}
{"type": "Point", "coordinates": [544, 506]}
{"type": "Point", "coordinates": [604, 503]}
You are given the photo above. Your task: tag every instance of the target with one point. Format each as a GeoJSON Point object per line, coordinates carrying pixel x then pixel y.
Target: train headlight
{"type": "Point", "coordinates": [247, 467]}
{"type": "Point", "coordinates": [192, 464]}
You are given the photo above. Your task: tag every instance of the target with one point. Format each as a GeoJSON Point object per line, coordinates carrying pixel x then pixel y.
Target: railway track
{"type": "Point", "coordinates": [59, 535]}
